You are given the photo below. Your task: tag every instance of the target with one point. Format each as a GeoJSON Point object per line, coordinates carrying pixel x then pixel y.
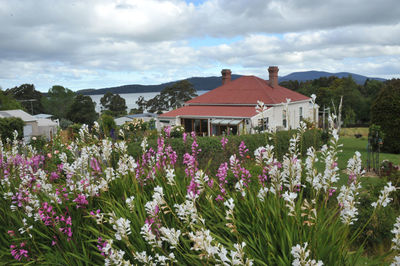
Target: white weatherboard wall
{"type": "Point", "coordinates": [275, 115]}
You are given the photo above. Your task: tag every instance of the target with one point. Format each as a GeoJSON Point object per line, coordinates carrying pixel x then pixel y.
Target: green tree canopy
{"type": "Point", "coordinates": [385, 112]}
{"type": "Point", "coordinates": [357, 99]}
{"type": "Point", "coordinates": [7, 102]}
{"type": "Point", "coordinates": [114, 103]}
{"type": "Point", "coordinates": [173, 96]}
{"type": "Point", "coordinates": [82, 110]}
{"type": "Point", "coordinates": [8, 125]}
{"type": "Point", "coordinates": [29, 97]}
{"type": "Point", "coordinates": [58, 101]}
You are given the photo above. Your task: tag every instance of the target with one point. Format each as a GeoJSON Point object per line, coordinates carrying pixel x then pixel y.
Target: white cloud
{"type": "Point", "coordinates": [89, 43]}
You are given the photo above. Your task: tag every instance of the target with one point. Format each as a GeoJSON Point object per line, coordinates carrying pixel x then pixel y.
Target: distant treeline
{"type": "Point", "coordinates": [199, 84]}
{"type": "Point", "coordinates": [357, 99]}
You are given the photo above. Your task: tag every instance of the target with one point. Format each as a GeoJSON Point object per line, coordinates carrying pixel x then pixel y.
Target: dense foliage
{"type": "Point", "coordinates": [90, 202]}
{"type": "Point", "coordinates": [173, 96]}
{"type": "Point", "coordinates": [211, 146]}
{"type": "Point", "coordinates": [10, 125]}
{"type": "Point", "coordinates": [385, 112]}
{"type": "Point", "coordinates": [357, 99]}
{"type": "Point", "coordinates": [58, 101]}
{"type": "Point", "coordinates": [82, 110]}
{"type": "Point", "coordinates": [7, 102]}
{"type": "Point", "coordinates": [29, 97]}
{"type": "Point", "coordinates": [114, 104]}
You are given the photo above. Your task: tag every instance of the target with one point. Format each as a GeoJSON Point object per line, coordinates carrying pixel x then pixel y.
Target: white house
{"type": "Point", "coordinates": [233, 107]}
{"type": "Point", "coordinates": [33, 126]}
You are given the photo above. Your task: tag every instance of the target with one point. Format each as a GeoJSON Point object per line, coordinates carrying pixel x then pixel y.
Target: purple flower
{"type": "Point", "coordinates": [81, 201]}
{"type": "Point", "coordinates": [224, 141]}
{"type": "Point", "coordinates": [242, 149]}
{"type": "Point", "coordinates": [184, 136]}
{"type": "Point", "coordinates": [219, 198]}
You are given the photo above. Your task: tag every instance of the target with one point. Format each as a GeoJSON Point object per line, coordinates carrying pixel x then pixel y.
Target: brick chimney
{"type": "Point", "coordinates": [226, 76]}
{"type": "Point", "coordinates": [273, 76]}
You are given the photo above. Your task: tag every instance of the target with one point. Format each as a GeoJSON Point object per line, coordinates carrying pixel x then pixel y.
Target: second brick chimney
{"type": "Point", "coordinates": [273, 76]}
{"type": "Point", "coordinates": [226, 76]}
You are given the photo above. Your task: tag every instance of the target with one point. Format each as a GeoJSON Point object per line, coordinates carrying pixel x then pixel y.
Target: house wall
{"type": "Point", "coordinates": [47, 131]}
{"type": "Point", "coordinates": [275, 116]}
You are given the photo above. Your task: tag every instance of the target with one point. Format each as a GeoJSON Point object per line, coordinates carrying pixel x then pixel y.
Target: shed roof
{"type": "Point", "coordinates": [18, 113]}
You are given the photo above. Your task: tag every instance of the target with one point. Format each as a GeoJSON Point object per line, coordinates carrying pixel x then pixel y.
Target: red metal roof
{"type": "Point", "coordinates": [212, 111]}
{"type": "Point", "coordinates": [247, 90]}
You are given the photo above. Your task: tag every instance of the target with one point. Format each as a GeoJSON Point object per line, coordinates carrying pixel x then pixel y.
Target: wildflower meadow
{"type": "Point", "coordinates": [88, 202]}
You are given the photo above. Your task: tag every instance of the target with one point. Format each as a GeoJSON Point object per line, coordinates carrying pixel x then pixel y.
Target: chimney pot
{"type": "Point", "coordinates": [273, 76]}
{"type": "Point", "coordinates": [226, 76]}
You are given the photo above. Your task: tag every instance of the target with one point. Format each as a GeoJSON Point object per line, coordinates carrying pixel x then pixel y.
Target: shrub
{"type": "Point", "coordinates": [10, 124]}
{"type": "Point", "coordinates": [211, 146]}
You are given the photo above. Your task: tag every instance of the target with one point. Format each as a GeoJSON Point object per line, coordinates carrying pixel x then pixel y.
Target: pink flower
{"type": "Point", "coordinates": [49, 155]}
{"type": "Point", "coordinates": [81, 200]}
{"type": "Point", "coordinates": [219, 198]}
{"type": "Point", "coordinates": [184, 136]}
{"type": "Point", "coordinates": [224, 141]}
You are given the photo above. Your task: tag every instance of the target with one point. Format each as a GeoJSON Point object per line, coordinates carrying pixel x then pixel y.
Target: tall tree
{"type": "Point", "coordinates": [58, 101]}
{"type": "Point", "coordinates": [173, 96]}
{"type": "Point", "coordinates": [29, 97]}
{"type": "Point", "coordinates": [113, 103]}
{"type": "Point", "coordinates": [385, 112]}
{"type": "Point", "coordinates": [7, 102]}
{"type": "Point", "coordinates": [82, 110]}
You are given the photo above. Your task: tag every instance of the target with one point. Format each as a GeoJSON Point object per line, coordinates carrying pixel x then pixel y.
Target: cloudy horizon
{"type": "Point", "coordinates": [82, 44]}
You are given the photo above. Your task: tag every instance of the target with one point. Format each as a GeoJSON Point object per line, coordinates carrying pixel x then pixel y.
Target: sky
{"type": "Point", "coordinates": [82, 44]}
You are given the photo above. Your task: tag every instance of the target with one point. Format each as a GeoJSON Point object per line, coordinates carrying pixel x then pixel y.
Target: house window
{"type": "Point", "coordinates": [200, 126]}
{"type": "Point", "coordinates": [284, 122]}
{"type": "Point", "coordinates": [263, 123]}
{"type": "Point", "coordinates": [301, 113]}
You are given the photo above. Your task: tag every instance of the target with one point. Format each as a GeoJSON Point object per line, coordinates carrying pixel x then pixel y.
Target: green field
{"type": "Point", "coordinates": [352, 144]}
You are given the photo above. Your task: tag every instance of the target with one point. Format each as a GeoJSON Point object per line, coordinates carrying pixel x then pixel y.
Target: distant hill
{"type": "Point", "coordinates": [210, 83]}
{"type": "Point", "coordinates": [311, 75]}
{"type": "Point", "coordinates": [199, 83]}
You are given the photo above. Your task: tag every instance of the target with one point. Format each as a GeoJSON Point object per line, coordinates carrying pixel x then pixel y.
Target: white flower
{"type": "Point", "coordinates": [202, 242]}
{"type": "Point", "coordinates": [240, 187]}
{"type": "Point", "coordinates": [347, 201]}
{"type": "Point", "coordinates": [187, 212]}
{"type": "Point", "coordinates": [262, 193]}
{"type": "Point", "coordinates": [143, 257]}
{"type": "Point", "coordinates": [122, 227]}
{"type": "Point", "coordinates": [396, 261]}
{"type": "Point", "coordinates": [114, 257]}
{"type": "Point", "coordinates": [170, 235]}
{"type": "Point", "coordinates": [289, 197]}
{"type": "Point", "coordinates": [144, 144]}
{"type": "Point", "coordinates": [149, 236]}
{"type": "Point", "coordinates": [384, 197]}
{"type": "Point", "coordinates": [171, 176]}
{"type": "Point", "coordinates": [301, 255]}
{"type": "Point", "coordinates": [158, 201]}
{"type": "Point", "coordinates": [130, 203]}
{"type": "Point", "coordinates": [396, 232]}
{"type": "Point", "coordinates": [229, 213]}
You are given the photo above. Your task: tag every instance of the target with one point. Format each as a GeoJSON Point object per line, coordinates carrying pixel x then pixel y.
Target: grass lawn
{"type": "Point", "coordinates": [350, 146]}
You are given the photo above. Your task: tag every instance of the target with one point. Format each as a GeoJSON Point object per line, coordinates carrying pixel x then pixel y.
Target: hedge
{"type": "Point", "coordinates": [211, 146]}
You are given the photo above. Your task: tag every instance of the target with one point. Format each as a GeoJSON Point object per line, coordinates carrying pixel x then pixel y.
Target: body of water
{"type": "Point", "coordinates": [130, 98]}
